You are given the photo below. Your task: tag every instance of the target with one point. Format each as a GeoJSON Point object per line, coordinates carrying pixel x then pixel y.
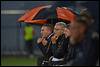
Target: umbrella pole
{"type": "Point", "coordinates": [19, 37]}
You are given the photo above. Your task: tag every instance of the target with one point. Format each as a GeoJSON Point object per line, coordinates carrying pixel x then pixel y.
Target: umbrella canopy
{"type": "Point", "coordinates": [66, 14]}
{"type": "Point", "coordinates": [41, 14]}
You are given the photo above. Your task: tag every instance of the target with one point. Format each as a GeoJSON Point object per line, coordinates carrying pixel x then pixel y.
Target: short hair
{"type": "Point", "coordinates": [49, 26]}
{"type": "Point", "coordinates": [62, 23]}
{"type": "Point", "coordinates": [84, 18]}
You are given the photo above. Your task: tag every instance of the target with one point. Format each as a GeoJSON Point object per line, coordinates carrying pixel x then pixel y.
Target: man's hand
{"type": "Point", "coordinates": [67, 32]}
{"type": "Point", "coordinates": [39, 40]}
{"type": "Point", "coordinates": [44, 42]}
{"type": "Point", "coordinates": [53, 39]}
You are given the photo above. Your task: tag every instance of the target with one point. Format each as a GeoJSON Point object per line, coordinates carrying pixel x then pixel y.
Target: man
{"type": "Point", "coordinates": [44, 43]}
{"type": "Point", "coordinates": [28, 36]}
{"type": "Point", "coordinates": [82, 49]}
{"type": "Point", "coordinates": [67, 31]}
{"type": "Point", "coordinates": [59, 44]}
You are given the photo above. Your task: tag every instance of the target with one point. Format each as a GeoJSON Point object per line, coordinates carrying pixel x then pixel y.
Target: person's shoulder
{"type": "Point", "coordinates": [87, 44]}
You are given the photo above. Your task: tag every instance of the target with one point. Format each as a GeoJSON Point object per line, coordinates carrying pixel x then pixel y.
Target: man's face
{"type": "Point", "coordinates": [76, 29]}
{"type": "Point", "coordinates": [45, 31]}
{"type": "Point", "coordinates": [58, 29]}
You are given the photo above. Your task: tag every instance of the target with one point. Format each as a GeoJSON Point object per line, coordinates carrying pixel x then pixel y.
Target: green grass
{"type": "Point", "coordinates": [18, 61]}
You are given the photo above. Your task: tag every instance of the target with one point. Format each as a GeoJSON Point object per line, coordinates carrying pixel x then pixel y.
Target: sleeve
{"type": "Point", "coordinates": [79, 60]}
{"type": "Point", "coordinates": [84, 57]}
{"type": "Point", "coordinates": [42, 48]}
{"type": "Point", "coordinates": [62, 51]}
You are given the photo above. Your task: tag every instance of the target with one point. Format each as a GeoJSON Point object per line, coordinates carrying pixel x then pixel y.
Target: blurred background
{"type": "Point", "coordinates": [12, 38]}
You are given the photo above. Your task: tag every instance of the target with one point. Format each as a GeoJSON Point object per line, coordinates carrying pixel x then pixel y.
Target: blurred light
{"type": "Point", "coordinates": [12, 11]}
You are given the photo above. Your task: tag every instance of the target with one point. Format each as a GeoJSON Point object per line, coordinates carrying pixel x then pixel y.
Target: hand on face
{"type": "Point", "coordinates": [67, 32]}
{"type": "Point", "coordinates": [58, 30]}
{"type": "Point", "coordinates": [39, 40]}
{"type": "Point", "coordinates": [54, 38]}
{"type": "Point", "coordinates": [44, 42]}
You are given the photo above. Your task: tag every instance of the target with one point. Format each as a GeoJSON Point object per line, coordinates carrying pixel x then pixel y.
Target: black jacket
{"type": "Point", "coordinates": [45, 50]}
{"type": "Point", "coordinates": [83, 53]}
{"type": "Point", "coordinates": [60, 48]}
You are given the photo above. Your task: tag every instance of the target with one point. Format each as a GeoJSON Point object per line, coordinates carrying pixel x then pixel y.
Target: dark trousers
{"type": "Point", "coordinates": [29, 46]}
